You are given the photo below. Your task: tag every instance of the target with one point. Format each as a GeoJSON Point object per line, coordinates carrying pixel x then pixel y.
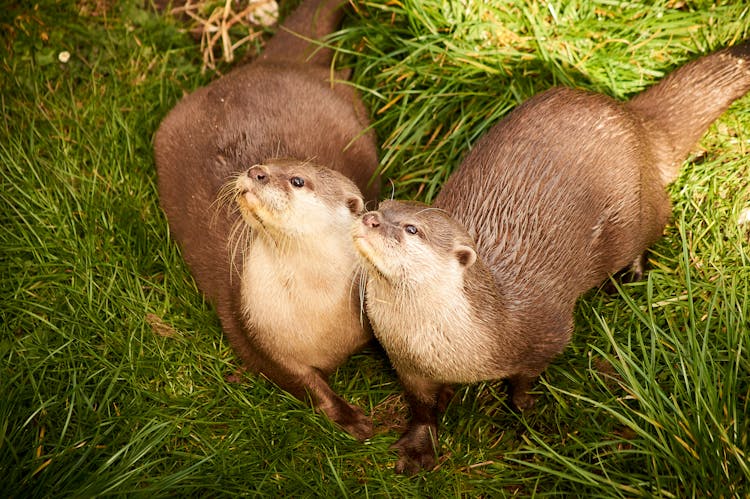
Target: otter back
{"type": "Point", "coordinates": [570, 186]}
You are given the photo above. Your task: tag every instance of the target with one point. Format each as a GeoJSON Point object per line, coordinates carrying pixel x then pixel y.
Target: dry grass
{"type": "Point", "coordinates": [224, 28]}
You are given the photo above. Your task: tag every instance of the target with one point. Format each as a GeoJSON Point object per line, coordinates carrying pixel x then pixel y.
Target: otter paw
{"type": "Point", "coordinates": [416, 453]}
{"type": "Point", "coordinates": [354, 422]}
{"type": "Point", "coordinates": [444, 398]}
{"type": "Point", "coordinates": [523, 401]}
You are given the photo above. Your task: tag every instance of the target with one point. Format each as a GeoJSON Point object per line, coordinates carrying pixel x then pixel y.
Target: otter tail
{"type": "Point", "coordinates": [295, 39]}
{"type": "Point", "coordinates": [678, 110]}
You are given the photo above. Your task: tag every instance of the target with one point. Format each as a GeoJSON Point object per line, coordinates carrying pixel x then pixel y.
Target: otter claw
{"type": "Point", "coordinates": [416, 451]}
{"type": "Point", "coordinates": [353, 420]}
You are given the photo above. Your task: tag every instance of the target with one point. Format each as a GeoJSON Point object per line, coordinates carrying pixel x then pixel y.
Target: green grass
{"type": "Point", "coordinates": [114, 378]}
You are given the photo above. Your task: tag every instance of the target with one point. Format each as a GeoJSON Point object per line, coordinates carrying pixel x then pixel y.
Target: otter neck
{"type": "Point", "coordinates": [315, 260]}
{"type": "Point", "coordinates": [415, 319]}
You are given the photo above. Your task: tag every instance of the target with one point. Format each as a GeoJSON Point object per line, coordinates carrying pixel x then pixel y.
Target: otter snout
{"type": "Point", "coordinates": [371, 219]}
{"type": "Point", "coordinates": [377, 225]}
{"type": "Point", "coordinates": [258, 173]}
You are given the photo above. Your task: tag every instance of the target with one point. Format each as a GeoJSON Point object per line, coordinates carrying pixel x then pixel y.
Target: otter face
{"type": "Point", "coordinates": [290, 198]}
{"type": "Point", "coordinates": [410, 242]}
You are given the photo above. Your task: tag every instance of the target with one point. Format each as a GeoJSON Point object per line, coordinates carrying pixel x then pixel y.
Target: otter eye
{"type": "Point", "coordinates": [410, 229]}
{"type": "Point", "coordinates": [297, 181]}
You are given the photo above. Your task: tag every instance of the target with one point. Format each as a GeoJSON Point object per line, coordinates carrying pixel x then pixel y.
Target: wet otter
{"type": "Point", "coordinates": [276, 117]}
{"type": "Point", "coordinates": [566, 190]}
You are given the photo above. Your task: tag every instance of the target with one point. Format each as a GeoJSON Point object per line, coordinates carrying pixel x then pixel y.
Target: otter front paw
{"type": "Point", "coordinates": [416, 449]}
{"type": "Point", "coordinates": [353, 420]}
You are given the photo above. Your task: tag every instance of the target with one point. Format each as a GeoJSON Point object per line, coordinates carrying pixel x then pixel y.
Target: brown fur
{"type": "Point", "coordinates": [566, 190]}
{"type": "Point", "coordinates": [283, 105]}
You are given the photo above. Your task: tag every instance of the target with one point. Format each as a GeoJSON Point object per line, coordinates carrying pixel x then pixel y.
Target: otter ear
{"type": "Point", "coordinates": [465, 255]}
{"type": "Point", "coordinates": [355, 204]}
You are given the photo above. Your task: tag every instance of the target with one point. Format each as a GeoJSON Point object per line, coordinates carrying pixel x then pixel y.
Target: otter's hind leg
{"type": "Point", "coordinates": [550, 338]}
{"type": "Point", "coordinates": [637, 269]}
{"type": "Point", "coordinates": [632, 273]}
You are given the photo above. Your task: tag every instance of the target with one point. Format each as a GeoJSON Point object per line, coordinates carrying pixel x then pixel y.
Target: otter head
{"type": "Point", "coordinates": [288, 198]}
{"type": "Point", "coordinates": [409, 242]}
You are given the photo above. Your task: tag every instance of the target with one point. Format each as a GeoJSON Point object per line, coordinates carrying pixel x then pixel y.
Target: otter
{"type": "Point", "coordinates": [566, 190]}
{"type": "Point", "coordinates": [289, 149]}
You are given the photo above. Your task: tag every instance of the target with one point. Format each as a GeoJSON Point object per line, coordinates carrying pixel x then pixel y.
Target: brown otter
{"type": "Point", "coordinates": [282, 105]}
{"type": "Point", "coordinates": [567, 189]}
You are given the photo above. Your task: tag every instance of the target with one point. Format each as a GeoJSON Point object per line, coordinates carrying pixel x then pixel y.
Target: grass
{"type": "Point", "coordinates": [115, 378]}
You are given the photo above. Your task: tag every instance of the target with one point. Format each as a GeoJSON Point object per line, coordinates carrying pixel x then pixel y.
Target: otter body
{"type": "Point", "coordinates": [566, 190]}
{"type": "Point", "coordinates": [270, 277]}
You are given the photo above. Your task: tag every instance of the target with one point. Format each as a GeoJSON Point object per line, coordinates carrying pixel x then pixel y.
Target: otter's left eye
{"type": "Point", "coordinates": [297, 181]}
{"type": "Point", "coordinates": [410, 229]}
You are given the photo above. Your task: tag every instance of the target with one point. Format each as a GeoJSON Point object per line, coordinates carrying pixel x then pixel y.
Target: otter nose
{"type": "Point", "coordinates": [371, 219]}
{"type": "Point", "coordinates": [258, 173]}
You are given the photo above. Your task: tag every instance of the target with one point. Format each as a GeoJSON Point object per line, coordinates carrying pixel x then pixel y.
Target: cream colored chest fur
{"type": "Point", "coordinates": [299, 301]}
{"type": "Point", "coordinates": [426, 330]}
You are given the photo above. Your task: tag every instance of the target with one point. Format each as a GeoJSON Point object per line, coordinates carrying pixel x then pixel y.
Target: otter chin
{"type": "Point", "coordinates": [369, 245]}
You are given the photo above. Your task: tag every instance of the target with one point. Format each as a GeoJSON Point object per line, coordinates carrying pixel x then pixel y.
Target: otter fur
{"type": "Point", "coordinates": [566, 190]}
{"type": "Point", "coordinates": [283, 114]}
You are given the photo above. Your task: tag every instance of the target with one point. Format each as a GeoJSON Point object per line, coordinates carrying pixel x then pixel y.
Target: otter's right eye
{"type": "Point", "coordinates": [297, 181]}
{"type": "Point", "coordinates": [410, 229]}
